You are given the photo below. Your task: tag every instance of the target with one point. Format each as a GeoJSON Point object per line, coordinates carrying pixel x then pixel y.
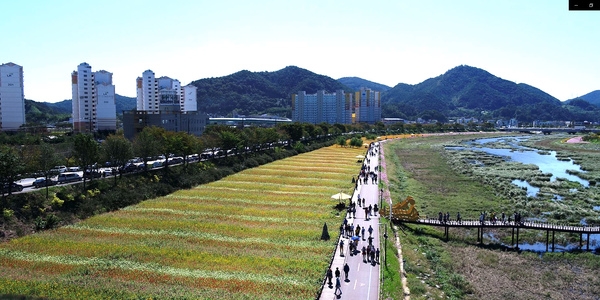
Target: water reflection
{"type": "Point", "coordinates": [545, 161]}
{"type": "Point", "coordinates": [531, 190]}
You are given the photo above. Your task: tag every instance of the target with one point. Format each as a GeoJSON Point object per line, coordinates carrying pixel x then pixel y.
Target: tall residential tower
{"type": "Point", "coordinates": [164, 103]}
{"type": "Point", "coordinates": [322, 107]}
{"type": "Point", "coordinates": [94, 106]}
{"type": "Point", "coordinates": [153, 92]}
{"type": "Point", "coordinates": [12, 99]}
{"type": "Point", "coordinates": [368, 106]}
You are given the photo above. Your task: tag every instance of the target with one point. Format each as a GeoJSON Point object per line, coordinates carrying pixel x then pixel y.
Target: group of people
{"type": "Point", "coordinates": [503, 218]}
{"type": "Point", "coordinates": [483, 216]}
{"type": "Point", "coordinates": [370, 254]}
{"type": "Point", "coordinates": [338, 283]}
{"type": "Point", "coordinates": [355, 232]}
{"type": "Point", "coordinates": [369, 210]}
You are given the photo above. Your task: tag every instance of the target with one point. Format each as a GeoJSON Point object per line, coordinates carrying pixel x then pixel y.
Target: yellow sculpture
{"type": "Point", "coordinates": [405, 210]}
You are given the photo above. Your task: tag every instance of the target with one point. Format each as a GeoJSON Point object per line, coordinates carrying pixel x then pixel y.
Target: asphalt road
{"type": "Point", "coordinates": [363, 278]}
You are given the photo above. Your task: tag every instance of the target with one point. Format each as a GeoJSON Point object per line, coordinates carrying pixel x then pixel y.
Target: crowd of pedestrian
{"type": "Point", "coordinates": [484, 216]}
{"type": "Point", "coordinates": [358, 239]}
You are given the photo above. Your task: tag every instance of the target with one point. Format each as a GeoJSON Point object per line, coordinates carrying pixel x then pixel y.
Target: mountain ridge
{"type": "Point", "coordinates": [466, 91]}
{"type": "Point", "coordinates": [356, 83]}
{"type": "Point", "coordinates": [462, 91]}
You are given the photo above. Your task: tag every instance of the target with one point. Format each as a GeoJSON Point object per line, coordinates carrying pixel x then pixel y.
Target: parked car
{"type": "Point", "coordinates": [108, 172]}
{"type": "Point", "coordinates": [68, 177]}
{"type": "Point", "coordinates": [42, 182]}
{"type": "Point", "coordinates": [59, 169]}
{"type": "Point", "coordinates": [92, 174]}
{"type": "Point", "coordinates": [74, 169]}
{"type": "Point", "coordinates": [12, 187]}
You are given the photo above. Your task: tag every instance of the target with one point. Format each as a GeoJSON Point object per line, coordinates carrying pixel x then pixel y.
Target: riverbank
{"type": "Point", "coordinates": [459, 268]}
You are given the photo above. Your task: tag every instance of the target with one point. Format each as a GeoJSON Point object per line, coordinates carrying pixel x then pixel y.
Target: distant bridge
{"type": "Point", "coordinates": [547, 130]}
{"type": "Point", "coordinates": [548, 227]}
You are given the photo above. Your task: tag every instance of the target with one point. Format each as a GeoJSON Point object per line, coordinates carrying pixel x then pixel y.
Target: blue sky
{"type": "Point", "coordinates": [538, 42]}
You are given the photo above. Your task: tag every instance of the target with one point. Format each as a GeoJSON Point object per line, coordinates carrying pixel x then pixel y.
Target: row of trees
{"type": "Point", "coordinates": [36, 157]}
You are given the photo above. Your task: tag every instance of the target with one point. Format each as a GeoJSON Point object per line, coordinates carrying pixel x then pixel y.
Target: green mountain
{"type": "Point", "coordinates": [247, 93]}
{"type": "Point", "coordinates": [592, 98]}
{"type": "Point", "coordinates": [50, 113]}
{"type": "Point", "coordinates": [122, 103]}
{"type": "Point", "coordinates": [356, 83]}
{"type": "Point", "coordinates": [44, 113]}
{"type": "Point", "coordinates": [466, 91]}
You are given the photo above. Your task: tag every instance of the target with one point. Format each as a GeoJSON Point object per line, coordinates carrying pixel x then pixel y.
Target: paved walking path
{"type": "Point", "coordinates": [363, 278]}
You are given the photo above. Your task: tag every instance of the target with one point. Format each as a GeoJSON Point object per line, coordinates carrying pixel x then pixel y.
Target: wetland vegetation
{"type": "Point", "coordinates": [442, 179]}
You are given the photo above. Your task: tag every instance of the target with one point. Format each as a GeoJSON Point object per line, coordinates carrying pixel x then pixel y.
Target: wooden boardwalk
{"type": "Point", "coordinates": [515, 227]}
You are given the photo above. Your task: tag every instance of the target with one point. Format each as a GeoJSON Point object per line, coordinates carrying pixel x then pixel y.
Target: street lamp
{"type": "Point", "coordinates": [385, 236]}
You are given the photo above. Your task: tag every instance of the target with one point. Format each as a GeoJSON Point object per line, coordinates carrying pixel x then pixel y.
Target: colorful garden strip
{"type": "Point", "coordinates": [253, 235]}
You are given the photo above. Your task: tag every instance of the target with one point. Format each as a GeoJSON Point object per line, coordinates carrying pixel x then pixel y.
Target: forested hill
{"type": "Point", "coordinates": [51, 113]}
{"type": "Point", "coordinates": [356, 83]}
{"type": "Point", "coordinates": [592, 98]}
{"type": "Point", "coordinates": [466, 91]}
{"type": "Point", "coordinates": [246, 93]}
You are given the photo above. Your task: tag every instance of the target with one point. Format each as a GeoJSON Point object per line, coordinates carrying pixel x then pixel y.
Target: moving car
{"type": "Point", "coordinates": [12, 187]}
{"type": "Point", "coordinates": [59, 169]}
{"type": "Point", "coordinates": [68, 177]}
{"type": "Point", "coordinates": [42, 182]}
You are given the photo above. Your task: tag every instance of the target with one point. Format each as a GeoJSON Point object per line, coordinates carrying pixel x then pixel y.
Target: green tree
{"type": "Point", "coordinates": [185, 144]}
{"type": "Point", "coordinates": [294, 131]}
{"type": "Point", "coordinates": [117, 150]}
{"type": "Point", "coordinates": [86, 152]}
{"type": "Point", "coordinates": [356, 142]}
{"type": "Point", "coordinates": [45, 159]}
{"type": "Point", "coordinates": [229, 140]}
{"type": "Point", "coordinates": [145, 146]}
{"type": "Point", "coordinates": [11, 165]}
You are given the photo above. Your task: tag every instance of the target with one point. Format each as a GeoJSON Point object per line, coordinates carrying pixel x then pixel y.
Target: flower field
{"type": "Point", "coordinates": [252, 235]}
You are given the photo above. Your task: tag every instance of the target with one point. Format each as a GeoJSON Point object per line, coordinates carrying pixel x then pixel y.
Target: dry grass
{"type": "Point", "coordinates": [508, 275]}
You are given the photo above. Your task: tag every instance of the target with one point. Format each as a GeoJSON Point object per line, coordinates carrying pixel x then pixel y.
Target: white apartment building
{"type": "Point", "coordinates": [322, 107]}
{"type": "Point", "coordinates": [94, 106]}
{"type": "Point", "coordinates": [368, 106]}
{"type": "Point", "coordinates": [152, 93]}
{"type": "Point", "coordinates": [12, 99]}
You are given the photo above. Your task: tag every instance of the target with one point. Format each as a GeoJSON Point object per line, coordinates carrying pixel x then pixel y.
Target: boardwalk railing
{"type": "Point", "coordinates": [548, 227]}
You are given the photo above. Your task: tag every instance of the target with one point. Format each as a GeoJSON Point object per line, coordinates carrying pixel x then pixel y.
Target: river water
{"type": "Point", "coordinates": [546, 161]}
{"type": "Point", "coordinates": [510, 149]}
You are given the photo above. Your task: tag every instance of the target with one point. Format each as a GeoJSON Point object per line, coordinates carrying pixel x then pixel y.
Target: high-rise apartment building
{"type": "Point", "coordinates": [94, 106]}
{"type": "Point", "coordinates": [153, 92]}
{"type": "Point", "coordinates": [368, 106]}
{"type": "Point", "coordinates": [12, 99]}
{"type": "Point", "coordinates": [322, 107]}
{"type": "Point", "coordinates": [164, 103]}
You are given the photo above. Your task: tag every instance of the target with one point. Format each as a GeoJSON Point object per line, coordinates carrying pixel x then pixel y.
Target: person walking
{"type": "Point", "coordinates": [337, 272]}
{"type": "Point", "coordinates": [364, 253]}
{"type": "Point", "coordinates": [346, 270]}
{"type": "Point", "coordinates": [363, 233]}
{"type": "Point", "coordinates": [341, 247]}
{"type": "Point", "coordinates": [338, 287]}
{"type": "Point", "coordinates": [329, 278]}
{"type": "Point", "coordinates": [377, 255]}
{"type": "Point", "coordinates": [370, 230]}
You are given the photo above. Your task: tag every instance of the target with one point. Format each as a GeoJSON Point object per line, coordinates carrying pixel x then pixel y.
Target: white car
{"type": "Point", "coordinates": [59, 169]}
